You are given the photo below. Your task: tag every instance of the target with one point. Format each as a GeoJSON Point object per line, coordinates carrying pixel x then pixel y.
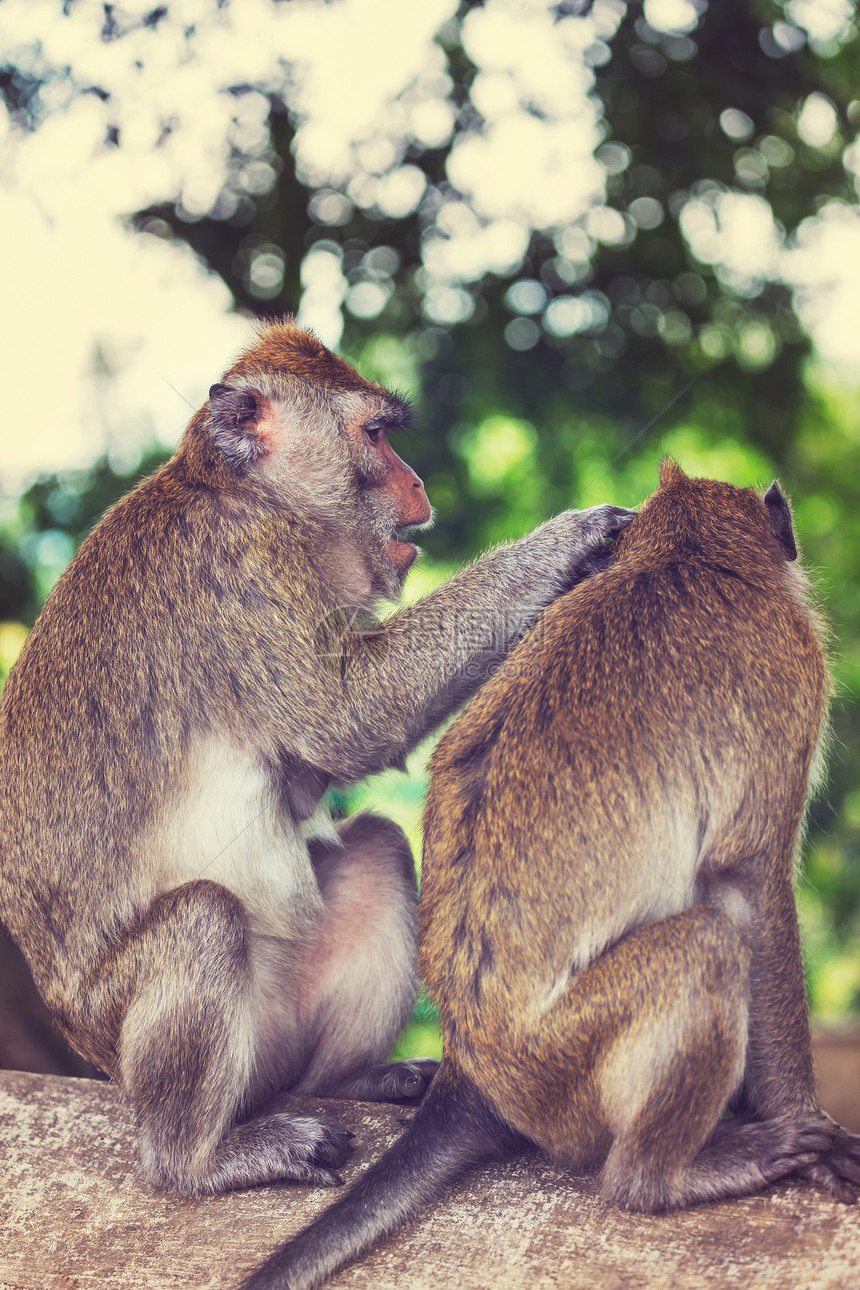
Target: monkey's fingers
{"type": "Point", "coordinates": [784, 1145]}
{"type": "Point", "coordinates": [845, 1154]}
{"type": "Point", "coordinates": [604, 523]}
{"type": "Point", "coordinates": [812, 1132]}
{"type": "Point", "coordinates": [782, 1166]}
{"type": "Point", "coordinates": [313, 1176]}
{"type": "Point", "coordinates": [619, 517]}
{"type": "Point", "coordinates": [837, 1167]}
{"type": "Point", "coordinates": [823, 1174]}
{"type": "Point", "coordinates": [314, 1148]}
{"type": "Point", "coordinates": [608, 521]}
{"type": "Point", "coordinates": [332, 1146]}
{"type": "Point", "coordinates": [847, 1166]}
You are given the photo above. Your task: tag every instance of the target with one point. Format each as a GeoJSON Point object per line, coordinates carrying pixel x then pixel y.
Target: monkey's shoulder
{"type": "Point", "coordinates": [662, 596]}
{"type": "Point", "coordinates": [636, 630]}
{"type": "Point", "coordinates": [176, 550]}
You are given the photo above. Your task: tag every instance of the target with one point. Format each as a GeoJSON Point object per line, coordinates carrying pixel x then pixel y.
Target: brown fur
{"type": "Point", "coordinates": [612, 829]}
{"type": "Point", "coordinates": [205, 667]}
{"type": "Point", "coordinates": [608, 918]}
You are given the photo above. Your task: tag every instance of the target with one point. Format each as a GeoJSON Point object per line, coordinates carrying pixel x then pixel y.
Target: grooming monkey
{"type": "Point", "coordinates": [608, 918]}
{"type": "Point", "coordinates": [206, 666]}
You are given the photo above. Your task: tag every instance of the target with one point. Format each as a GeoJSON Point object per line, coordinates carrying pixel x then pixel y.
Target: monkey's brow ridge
{"type": "Point", "coordinates": [396, 411]}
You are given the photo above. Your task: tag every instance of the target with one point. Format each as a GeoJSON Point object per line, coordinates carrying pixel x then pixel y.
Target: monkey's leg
{"type": "Point", "coordinates": [359, 982]}
{"type": "Point", "coordinates": [636, 1060]}
{"type": "Point", "coordinates": [665, 1081]}
{"type": "Point", "coordinates": [187, 1049]}
{"type": "Point", "coordinates": [779, 1077]}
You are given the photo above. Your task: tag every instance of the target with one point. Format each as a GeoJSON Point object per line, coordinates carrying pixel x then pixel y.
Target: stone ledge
{"type": "Point", "coordinates": [73, 1216]}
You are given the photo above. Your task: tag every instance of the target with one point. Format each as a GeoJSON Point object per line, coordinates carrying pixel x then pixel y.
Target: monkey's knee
{"type": "Point", "coordinates": [361, 981]}
{"type": "Point", "coordinates": [372, 841]}
{"type": "Point", "coordinates": [368, 882]}
{"type": "Point", "coordinates": [369, 886]}
{"type": "Point", "coordinates": [199, 931]}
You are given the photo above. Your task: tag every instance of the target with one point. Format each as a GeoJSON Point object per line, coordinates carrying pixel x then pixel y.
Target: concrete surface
{"type": "Point", "coordinates": [73, 1216]}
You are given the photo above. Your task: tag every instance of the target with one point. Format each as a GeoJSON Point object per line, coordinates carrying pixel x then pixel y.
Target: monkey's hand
{"type": "Point", "coordinates": [837, 1168]}
{"type": "Point", "coordinates": [589, 536]}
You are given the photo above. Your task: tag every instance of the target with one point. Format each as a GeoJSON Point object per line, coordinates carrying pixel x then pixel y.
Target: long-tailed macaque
{"type": "Point", "coordinates": [608, 917]}
{"type": "Point", "coordinates": [205, 667]}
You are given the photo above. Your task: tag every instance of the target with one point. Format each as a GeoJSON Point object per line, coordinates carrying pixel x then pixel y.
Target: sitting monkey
{"type": "Point", "coordinates": [206, 666]}
{"type": "Point", "coordinates": [608, 915]}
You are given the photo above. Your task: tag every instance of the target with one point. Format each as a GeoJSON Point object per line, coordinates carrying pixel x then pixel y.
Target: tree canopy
{"type": "Point", "coordinates": [574, 235]}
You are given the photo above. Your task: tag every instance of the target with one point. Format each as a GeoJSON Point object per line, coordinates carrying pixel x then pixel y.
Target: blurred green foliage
{"type": "Point", "coordinates": [518, 421]}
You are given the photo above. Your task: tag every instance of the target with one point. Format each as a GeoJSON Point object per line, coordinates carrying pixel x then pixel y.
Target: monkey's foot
{"type": "Point", "coordinates": [394, 1082]}
{"type": "Point", "coordinates": [837, 1169]}
{"type": "Point", "coordinates": [744, 1158]}
{"type": "Point", "coordinates": [785, 1144]}
{"type": "Point", "coordinates": [279, 1148]}
{"type": "Point", "coordinates": [738, 1159]}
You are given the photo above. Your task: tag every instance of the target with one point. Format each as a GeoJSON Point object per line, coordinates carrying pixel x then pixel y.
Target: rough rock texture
{"type": "Point", "coordinates": [73, 1216]}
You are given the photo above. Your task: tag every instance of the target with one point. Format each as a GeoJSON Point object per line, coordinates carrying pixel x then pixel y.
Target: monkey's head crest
{"type": "Point", "coordinates": [671, 473]}
{"type": "Point", "coordinates": [281, 348]}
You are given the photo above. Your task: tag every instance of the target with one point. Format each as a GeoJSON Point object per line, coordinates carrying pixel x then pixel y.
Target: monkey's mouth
{"type": "Point", "coordinates": [401, 553]}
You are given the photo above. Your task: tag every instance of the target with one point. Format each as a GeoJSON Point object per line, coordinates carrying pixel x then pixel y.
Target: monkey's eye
{"type": "Point", "coordinates": [373, 431]}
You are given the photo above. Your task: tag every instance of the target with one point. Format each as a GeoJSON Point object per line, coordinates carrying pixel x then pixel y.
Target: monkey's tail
{"type": "Point", "coordinates": [453, 1129]}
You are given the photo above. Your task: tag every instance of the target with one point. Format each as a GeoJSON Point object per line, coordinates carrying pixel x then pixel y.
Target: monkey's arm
{"type": "Point", "coordinates": [779, 1075]}
{"type": "Point", "coordinates": [371, 697]}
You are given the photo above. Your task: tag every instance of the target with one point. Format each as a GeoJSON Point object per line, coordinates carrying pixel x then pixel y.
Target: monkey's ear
{"type": "Point", "coordinates": [236, 419]}
{"type": "Point", "coordinates": [780, 520]}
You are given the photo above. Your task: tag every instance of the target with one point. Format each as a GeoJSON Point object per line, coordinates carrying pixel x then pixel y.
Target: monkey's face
{"type": "Point", "coordinates": [306, 425]}
{"type": "Point", "coordinates": [393, 495]}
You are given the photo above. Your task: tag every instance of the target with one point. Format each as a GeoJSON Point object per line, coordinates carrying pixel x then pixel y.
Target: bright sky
{"type": "Point", "coordinates": [82, 295]}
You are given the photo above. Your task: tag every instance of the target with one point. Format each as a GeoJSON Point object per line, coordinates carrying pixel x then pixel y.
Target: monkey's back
{"type": "Point", "coordinates": [143, 645]}
{"type": "Point", "coordinates": [659, 719]}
